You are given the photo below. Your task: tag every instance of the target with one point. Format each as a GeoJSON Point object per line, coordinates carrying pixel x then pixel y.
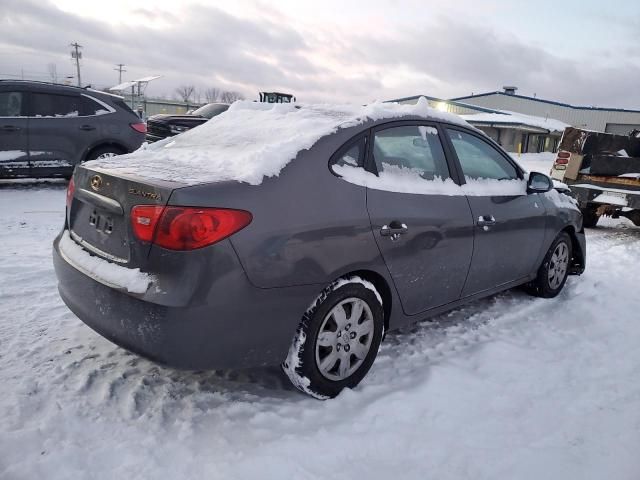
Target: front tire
{"type": "Point", "coordinates": [337, 340]}
{"type": "Point", "coordinates": [553, 273]}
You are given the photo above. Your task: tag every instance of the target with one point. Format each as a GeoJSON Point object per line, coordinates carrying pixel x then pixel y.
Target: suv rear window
{"type": "Point", "coordinates": [52, 105]}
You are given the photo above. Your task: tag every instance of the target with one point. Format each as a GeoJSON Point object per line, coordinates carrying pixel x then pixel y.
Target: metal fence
{"type": "Point", "coordinates": [155, 106]}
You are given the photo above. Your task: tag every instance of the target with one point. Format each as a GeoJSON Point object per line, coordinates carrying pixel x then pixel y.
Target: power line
{"type": "Point", "coordinates": [120, 69]}
{"type": "Point", "coordinates": [77, 55]}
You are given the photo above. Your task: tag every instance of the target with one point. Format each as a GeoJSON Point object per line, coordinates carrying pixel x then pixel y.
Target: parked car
{"type": "Point", "coordinates": [47, 129]}
{"type": "Point", "coordinates": [300, 235]}
{"type": "Point", "coordinates": [165, 125]}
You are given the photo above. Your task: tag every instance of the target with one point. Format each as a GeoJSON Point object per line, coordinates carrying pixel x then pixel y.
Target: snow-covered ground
{"type": "Point", "coordinates": [510, 387]}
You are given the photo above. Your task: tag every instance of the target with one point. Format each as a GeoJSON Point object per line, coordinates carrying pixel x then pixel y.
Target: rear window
{"type": "Point", "coordinates": [414, 148]}
{"type": "Point", "coordinates": [11, 104]}
{"type": "Point", "coordinates": [91, 107]}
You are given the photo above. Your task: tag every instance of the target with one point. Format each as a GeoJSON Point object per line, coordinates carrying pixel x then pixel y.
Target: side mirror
{"type": "Point", "coordinates": [419, 142]}
{"type": "Point", "coordinates": [539, 183]}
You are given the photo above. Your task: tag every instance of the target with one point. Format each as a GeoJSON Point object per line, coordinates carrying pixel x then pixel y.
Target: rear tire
{"type": "Point", "coordinates": [337, 340]}
{"type": "Point", "coordinates": [553, 273]}
{"type": "Point", "coordinates": [590, 216]}
{"type": "Point", "coordinates": [104, 152]}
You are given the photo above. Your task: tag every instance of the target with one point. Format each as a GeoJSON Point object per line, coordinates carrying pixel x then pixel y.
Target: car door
{"type": "Point", "coordinates": [424, 233]}
{"type": "Point", "coordinates": [14, 154]}
{"type": "Point", "coordinates": [59, 132]}
{"type": "Point", "coordinates": [509, 223]}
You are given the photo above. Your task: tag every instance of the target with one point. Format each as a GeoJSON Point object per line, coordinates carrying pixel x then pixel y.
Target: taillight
{"type": "Point", "coordinates": [139, 127]}
{"type": "Point", "coordinates": [186, 228]}
{"type": "Point", "coordinates": [144, 219]}
{"type": "Point", "coordinates": [564, 154]}
{"type": "Point", "coordinates": [562, 161]}
{"type": "Point", "coordinates": [71, 188]}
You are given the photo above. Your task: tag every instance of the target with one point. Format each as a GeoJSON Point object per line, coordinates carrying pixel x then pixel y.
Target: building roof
{"type": "Point", "coordinates": [451, 102]}
{"type": "Point", "coordinates": [504, 118]}
{"type": "Point", "coordinates": [550, 102]}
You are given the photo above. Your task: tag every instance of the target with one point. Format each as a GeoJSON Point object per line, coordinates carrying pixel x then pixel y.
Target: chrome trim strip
{"type": "Point", "coordinates": [87, 246]}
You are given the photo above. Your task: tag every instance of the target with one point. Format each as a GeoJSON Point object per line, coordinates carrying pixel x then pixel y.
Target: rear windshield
{"type": "Point", "coordinates": [211, 110]}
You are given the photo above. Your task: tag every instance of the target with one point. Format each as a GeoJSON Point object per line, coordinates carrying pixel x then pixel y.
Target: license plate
{"type": "Point", "coordinates": [101, 222]}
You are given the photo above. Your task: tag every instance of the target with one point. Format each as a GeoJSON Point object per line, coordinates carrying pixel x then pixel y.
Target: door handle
{"type": "Point", "coordinates": [10, 128]}
{"type": "Point", "coordinates": [87, 127]}
{"type": "Point", "coordinates": [486, 221]}
{"type": "Point", "coordinates": [394, 230]}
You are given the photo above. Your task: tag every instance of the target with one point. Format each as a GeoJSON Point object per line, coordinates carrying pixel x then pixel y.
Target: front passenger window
{"type": "Point", "coordinates": [478, 159]}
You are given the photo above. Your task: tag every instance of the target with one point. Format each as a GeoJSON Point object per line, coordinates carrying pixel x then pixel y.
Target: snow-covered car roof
{"type": "Point", "coordinates": [251, 141]}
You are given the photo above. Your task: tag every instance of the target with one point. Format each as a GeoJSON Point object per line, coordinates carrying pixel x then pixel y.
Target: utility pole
{"type": "Point", "coordinates": [120, 69]}
{"type": "Point", "coordinates": [77, 55]}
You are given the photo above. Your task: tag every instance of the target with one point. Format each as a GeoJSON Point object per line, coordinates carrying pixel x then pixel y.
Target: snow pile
{"type": "Point", "coordinates": [130, 279]}
{"type": "Point", "coordinates": [509, 118]}
{"type": "Point", "coordinates": [535, 162]}
{"type": "Point", "coordinates": [408, 180]}
{"type": "Point", "coordinates": [7, 155]}
{"type": "Point", "coordinates": [251, 141]}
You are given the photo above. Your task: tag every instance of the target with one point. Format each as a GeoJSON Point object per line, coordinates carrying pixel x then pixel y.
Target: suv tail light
{"type": "Point", "coordinates": [71, 189]}
{"type": "Point", "coordinates": [139, 127]}
{"type": "Point", "coordinates": [562, 161]}
{"type": "Point", "coordinates": [186, 228]}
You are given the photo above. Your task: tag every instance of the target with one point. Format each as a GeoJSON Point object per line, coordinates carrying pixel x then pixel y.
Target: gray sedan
{"type": "Point", "coordinates": [192, 258]}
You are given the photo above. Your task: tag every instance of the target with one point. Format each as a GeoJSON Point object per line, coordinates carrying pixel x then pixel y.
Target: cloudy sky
{"type": "Point", "coordinates": [582, 52]}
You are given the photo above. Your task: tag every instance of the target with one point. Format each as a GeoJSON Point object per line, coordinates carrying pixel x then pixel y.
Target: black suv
{"type": "Point", "coordinates": [165, 125]}
{"type": "Point", "coordinates": [47, 129]}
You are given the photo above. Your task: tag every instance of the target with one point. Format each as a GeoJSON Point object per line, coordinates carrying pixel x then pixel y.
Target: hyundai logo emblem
{"type": "Point", "coordinates": [96, 182]}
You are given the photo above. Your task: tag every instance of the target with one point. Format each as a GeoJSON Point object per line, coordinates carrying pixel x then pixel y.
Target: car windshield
{"type": "Point", "coordinates": [211, 110]}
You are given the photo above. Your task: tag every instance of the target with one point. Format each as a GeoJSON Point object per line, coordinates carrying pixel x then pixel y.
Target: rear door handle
{"type": "Point", "coordinates": [486, 221]}
{"type": "Point", "coordinates": [10, 128]}
{"type": "Point", "coordinates": [87, 127]}
{"type": "Point", "coordinates": [394, 230]}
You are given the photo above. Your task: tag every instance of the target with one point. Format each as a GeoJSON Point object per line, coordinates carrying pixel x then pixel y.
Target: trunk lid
{"type": "Point", "coordinates": [99, 216]}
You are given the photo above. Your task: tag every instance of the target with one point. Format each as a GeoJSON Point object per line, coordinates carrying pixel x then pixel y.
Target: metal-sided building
{"type": "Point", "coordinates": [612, 120]}
{"type": "Point", "coordinates": [515, 132]}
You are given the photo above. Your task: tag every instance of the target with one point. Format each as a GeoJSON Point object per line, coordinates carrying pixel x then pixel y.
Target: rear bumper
{"type": "Point", "coordinates": [226, 324]}
{"type": "Point", "coordinates": [613, 195]}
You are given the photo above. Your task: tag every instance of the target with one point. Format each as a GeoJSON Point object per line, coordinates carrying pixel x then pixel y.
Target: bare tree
{"type": "Point", "coordinates": [212, 94]}
{"type": "Point", "coordinates": [230, 97]}
{"type": "Point", "coordinates": [53, 72]}
{"type": "Point", "coordinates": [185, 92]}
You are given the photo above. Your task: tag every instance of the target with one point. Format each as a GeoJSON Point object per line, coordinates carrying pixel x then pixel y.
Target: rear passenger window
{"type": "Point", "coordinates": [349, 156]}
{"type": "Point", "coordinates": [478, 159]}
{"type": "Point", "coordinates": [51, 105]}
{"type": "Point", "coordinates": [412, 149]}
{"type": "Point", "coordinates": [91, 107]}
{"type": "Point", "coordinates": [11, 104]}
